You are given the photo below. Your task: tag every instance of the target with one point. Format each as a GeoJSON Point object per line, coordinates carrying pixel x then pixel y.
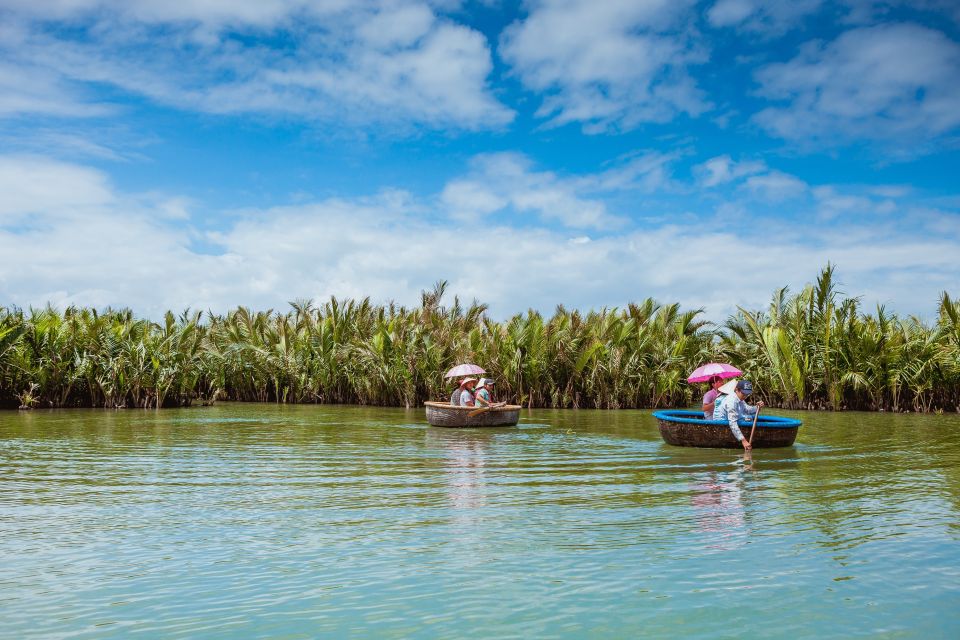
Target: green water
{"type": "Point", "coordinates": [298, 522]}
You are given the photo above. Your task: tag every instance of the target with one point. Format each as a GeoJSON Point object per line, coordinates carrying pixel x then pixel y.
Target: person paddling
{"type": "Point", "coordinates": [733, 408]}
{"type": "Point", "coordinates": [483, 396]}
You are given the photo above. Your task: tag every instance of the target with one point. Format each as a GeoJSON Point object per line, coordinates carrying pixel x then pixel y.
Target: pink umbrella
{"type": "Point", "coordinates": [464, 370]}
{"type": "Point", "coordinates": [711, 369]}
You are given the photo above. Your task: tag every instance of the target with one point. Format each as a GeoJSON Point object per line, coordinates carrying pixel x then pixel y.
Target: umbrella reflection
{"type": "Point", "coordinates": [718, 502]}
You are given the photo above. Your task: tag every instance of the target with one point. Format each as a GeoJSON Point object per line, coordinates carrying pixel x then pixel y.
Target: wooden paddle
{"type": "Point", "coordinates": [477, 412]}
{"type": "Point", "coordinates": [755, 416]}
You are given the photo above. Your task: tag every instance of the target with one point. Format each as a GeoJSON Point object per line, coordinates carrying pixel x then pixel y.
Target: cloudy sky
{"type": "Point", "coordinates": [165, 154]}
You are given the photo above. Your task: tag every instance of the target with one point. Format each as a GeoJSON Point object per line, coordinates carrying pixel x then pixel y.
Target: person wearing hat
{"type": "Point", "coordinates": [732, 407]}
{"type": "Point", "coordinates": [467, 398]}
{"type": "Point", "coordinates": [484, 399]}
{"type": "Point", "coordinates": [722, 392]}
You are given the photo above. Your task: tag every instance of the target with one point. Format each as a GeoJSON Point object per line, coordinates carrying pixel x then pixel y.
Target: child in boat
{"type": "Point", "coordinates": [483, 397]}
{"type": "Point", "coordinates": [733, 408]}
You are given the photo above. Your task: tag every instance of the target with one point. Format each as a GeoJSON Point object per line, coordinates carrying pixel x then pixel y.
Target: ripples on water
{"type": "Point", "coordinates": [266, 521]}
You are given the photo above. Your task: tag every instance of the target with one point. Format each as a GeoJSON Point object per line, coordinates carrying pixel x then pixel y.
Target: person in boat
{"type": "Point", "coordinates": [732, 407]}
{"type": "Point", "coordinates": [466, 397]}
{"type": "Point", "coordinates": [710, 397]}
{"type": "Point", "coordinates": [483, 394]}
{"type": "Point", "coordinates": [722, 392]}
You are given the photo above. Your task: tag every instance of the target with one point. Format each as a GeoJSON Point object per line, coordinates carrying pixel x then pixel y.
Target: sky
{"type": "Point", "coordinates": [164, 154]}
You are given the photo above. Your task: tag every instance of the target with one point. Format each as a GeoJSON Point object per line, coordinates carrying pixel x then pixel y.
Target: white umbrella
{"type": "Point", "coordinates": [464, 370]}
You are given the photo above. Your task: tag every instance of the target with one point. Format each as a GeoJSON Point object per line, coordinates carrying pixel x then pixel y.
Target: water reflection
{"type": "Point", "coordinates": [464, 465]}
{"type": "Point", "coordinates": [717, 499]}
{"type": "Point", "coordinates": [272, 521]}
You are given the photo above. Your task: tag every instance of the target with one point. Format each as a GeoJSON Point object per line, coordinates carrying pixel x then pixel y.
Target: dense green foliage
{"type": "Point", "coordinates": [813, 349]}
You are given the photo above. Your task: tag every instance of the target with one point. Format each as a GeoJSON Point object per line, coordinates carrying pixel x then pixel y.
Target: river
{"type": "Point", "coordinates": [244, 520]}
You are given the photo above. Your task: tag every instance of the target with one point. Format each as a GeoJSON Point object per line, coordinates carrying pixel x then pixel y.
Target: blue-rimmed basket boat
{"type": "Point", "coordinates": [441, 414]}
{"type": "Point", "coordinates": [689, 429]}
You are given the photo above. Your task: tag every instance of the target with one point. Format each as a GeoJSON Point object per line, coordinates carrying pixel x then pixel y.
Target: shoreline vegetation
{"type": "Point", "coordinates": [812, 350]}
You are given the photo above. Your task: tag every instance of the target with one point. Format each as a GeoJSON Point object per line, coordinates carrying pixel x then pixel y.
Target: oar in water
{"type": "Point", "coordinates": [755, 416]}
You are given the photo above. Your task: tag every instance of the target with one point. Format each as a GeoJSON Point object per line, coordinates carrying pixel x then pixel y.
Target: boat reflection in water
{"type": "Point", "coordinates": [717, 499]}
{"type": "Point", "coordinates": [464, 464]}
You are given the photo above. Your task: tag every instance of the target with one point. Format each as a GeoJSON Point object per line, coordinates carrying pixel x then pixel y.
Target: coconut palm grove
{"type": "Point", "coordinates": [814, 349]}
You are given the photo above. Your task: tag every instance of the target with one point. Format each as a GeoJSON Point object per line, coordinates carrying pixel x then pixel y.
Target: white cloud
{"type": "Point", "coordinates": [649, 172]}
{"type": "Point", "coordinates": [873, 11]}
{"type": "Point", "coordinates": [397, 26]}
{"type": "Point", "coordinates": [726, 13]}
{"type": "Point", "coordinates": [775, 186]}
{"type": "Point", "coordinates": [469, 199]}
{"type": "Point", "coordinates": [211, 13]}
{"type": "Point", "coordinates": [763, 17]}
{"type": "Point", "coordinates": [507, 180]}
{"type": "Point", "coordinates": [26, 88]}
{"type": "Point", "coordinates": [831, 203]}
{"type": "Point", "coordinates": [891, 82]}
{"type": "Point", "coordinates": [607, 65]}
{"type": "Point", "coordinates": [32, 185]}
{"type": "Point", "coordinates": [890, 190]}
{"type": "Point", "coordinates": [117, 145]}
{"type": "Point", "coordinates": [722, 169]}
{"type": "Point", "coordinates": [100, 246]}
{"type": "Point", "coordinates": [351, 63]}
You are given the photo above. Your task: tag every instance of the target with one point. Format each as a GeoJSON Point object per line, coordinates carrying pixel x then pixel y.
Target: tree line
{"type": "Point", "coordinates": [813, 349]}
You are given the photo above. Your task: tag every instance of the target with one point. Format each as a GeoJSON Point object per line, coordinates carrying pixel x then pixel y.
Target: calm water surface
{"type": "Point", "coordinates": [297, 522]}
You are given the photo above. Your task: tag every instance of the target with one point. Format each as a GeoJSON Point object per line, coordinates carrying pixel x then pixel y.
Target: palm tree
{"type": "Point", "coordinates": [813, 349]}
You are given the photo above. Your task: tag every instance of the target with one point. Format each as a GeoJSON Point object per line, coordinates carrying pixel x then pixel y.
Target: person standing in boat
{"type": "Point", "coordinates": [467, 398]}
{"type": "Point", "coordinates": [710, 397]}
{"type": "Point", "coordinates": [732, 407]}
{"type": "Point", "coordinates": [483, 397]}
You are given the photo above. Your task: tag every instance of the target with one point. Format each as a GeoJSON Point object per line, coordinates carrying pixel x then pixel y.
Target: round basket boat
{"type": "Point", "coordinates": [689, 429]}
{"type": "Point", "coordinates": [441, 414]}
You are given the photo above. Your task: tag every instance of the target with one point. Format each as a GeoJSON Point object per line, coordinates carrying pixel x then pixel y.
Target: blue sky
{"type": "Point", "coordinates": [163, 155]}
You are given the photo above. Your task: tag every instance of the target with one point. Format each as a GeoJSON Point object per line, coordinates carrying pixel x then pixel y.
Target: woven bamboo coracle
{"type": "Point", "coordinates": [440, 414]}
{"type": "Point", "coordinates": [689, 429]}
